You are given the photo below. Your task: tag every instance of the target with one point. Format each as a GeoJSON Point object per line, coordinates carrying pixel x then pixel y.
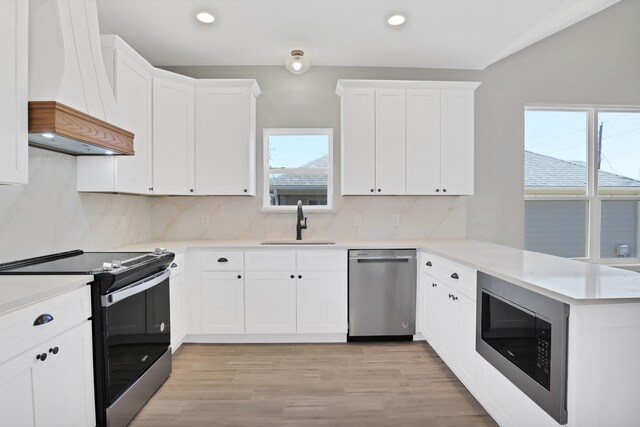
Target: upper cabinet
{"type": "Point", "coordinates": [173, 130]}
{"type": "Point", "coordinates": [225, 137]}
{"type": "Point", "coordinates": [192, 136]}
{"type": "Point", "coordinates": [407, 137]}
{"type": "Point", "coordinates": [14, 17]}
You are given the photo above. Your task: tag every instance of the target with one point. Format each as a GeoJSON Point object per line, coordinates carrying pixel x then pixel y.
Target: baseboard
{"type": "Point", "coordinates": [264, 338]}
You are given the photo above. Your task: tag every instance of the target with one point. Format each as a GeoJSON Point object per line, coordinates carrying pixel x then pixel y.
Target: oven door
{"type": "Point", "coordinates": [136, 330]}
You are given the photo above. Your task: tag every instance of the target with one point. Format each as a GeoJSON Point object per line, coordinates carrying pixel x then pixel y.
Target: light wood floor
{"type": "Point", "coordinates": [372, 384]}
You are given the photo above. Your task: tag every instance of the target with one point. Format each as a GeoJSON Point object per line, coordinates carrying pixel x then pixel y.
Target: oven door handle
{"type": "Point", "coordinates": [135, 288]}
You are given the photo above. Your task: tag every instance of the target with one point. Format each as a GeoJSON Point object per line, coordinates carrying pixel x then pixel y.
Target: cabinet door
{"type": "Point", "coordinates": [223, 302]}
{"type": "Point", "coordinates": [16, 390]}
{"type": "Point", "coordinates": [449, 325]}
{"type": "Point", "coordinates": [432, 303]}
{"type": "Point", "coordinates": [466, 342]}
{"type": "Point", "coordinates": [457, 134]}
{"type": "Point", "coordinates": [133, 86]}
{"type": "Point", "coordinates": [322, 302]}
{"type": "Point", "coordinates": [423, 142]}
{"type": "Point", "coordinates": [225, 141]}
{"type": "Point", "coordinates": [63, 383]}
{"type": "Point", "coordinates": [14, 155]}
{"type": "Point", "coordinates": [173, 143]}
{"type": "Point", "coordinates": [177, 314]}
{"type": "Point", "coordinates": [390, 141]}
{"type": "Point", "coordinates": [358, 141]}
{"type": "Point", "coordinates": [270, 302]}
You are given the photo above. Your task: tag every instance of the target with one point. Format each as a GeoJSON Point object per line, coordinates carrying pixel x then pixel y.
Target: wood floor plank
{"type": "Point", "coordinates": [352, 384]}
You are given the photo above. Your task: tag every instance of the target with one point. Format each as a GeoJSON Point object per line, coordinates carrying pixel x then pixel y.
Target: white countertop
{"type": "Point", "coordinates": [563, 279]}
{"type": "Point", "coordinates": [19, 291]}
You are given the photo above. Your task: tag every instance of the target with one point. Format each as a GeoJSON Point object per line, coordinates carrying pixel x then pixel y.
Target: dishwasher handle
{"type": "Point", "coordinates": [383, 258]}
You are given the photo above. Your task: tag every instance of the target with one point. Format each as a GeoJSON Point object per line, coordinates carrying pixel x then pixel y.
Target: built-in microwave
{"type": "Point", "coordinates": [524, 335]}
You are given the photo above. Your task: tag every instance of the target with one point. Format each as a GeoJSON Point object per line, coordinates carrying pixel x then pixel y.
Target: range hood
{"type": "Point", "coordinates": [71, 104]}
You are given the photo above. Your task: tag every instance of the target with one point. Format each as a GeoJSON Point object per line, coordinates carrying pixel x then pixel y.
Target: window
{"type": "Point", "coordinates": [582, 181]}
{"type": "Point", "coordinates": [298, 165]}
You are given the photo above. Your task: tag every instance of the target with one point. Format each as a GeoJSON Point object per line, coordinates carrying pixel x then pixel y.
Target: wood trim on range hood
{"type": "Point", "coordinates": [75, 132]}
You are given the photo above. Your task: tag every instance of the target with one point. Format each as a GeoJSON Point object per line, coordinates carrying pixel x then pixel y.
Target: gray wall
{"type": "Point", "coordinates": [596, 61]}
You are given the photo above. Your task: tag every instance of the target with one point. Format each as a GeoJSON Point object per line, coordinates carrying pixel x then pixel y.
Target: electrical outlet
{"type": "Point", "coordinates": [204, 220]}
{"type": "Point", "coordinates": [395, 220]}
{"type": "Point", "coordinates": [357, 220]}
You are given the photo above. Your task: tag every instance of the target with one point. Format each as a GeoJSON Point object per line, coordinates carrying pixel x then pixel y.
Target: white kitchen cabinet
{"type": "Point", "coordinates": [433, 322]}
{"type": "Point", "coordinates": [46, 371]}
{"type": "Point", "coordinates": [14, 155]}
{"type": "Point", "coordinates": [178, 302]}
{"type": "Point", "coordinates": [223, 302]}
{"type": "Point", "coordinates": [423, 141]}
{"type": "Point", "coordinates": [270, 302]}
{"type": "Point", "coordinates": [390, 141]}
{"type": "Point", "coordinates": [131, 78]}
{"type": "Point", "coordinates": [457, 147]}
{"type": "Point", "coordinates": [173, 134]}
{"type": "Point", "coordinates": [358, 141]}
{"type": "Point", "coordinates": [407, 137]}
{"type": "Point", "coordinates": [225, 137]}
{"type": "Point", "coordinates": [322, 292]}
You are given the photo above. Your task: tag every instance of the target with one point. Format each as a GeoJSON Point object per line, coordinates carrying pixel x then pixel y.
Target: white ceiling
{"type": "Point", "coordinates": [465, 34]}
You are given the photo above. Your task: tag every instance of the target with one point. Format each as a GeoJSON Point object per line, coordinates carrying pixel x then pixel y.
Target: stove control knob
{"type": "Point", "coordinates": [107, 266]}
{"type": "Point", "coordinates": [160, 251]}
{"type": "Point", "coordinates": [116, 264]}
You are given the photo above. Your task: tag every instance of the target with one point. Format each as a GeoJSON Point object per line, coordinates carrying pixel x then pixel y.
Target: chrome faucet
{"type": "Point", "coordinates": [299, 226]}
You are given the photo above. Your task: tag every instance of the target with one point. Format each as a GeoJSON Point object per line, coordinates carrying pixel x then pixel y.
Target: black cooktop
{"type": "Point", "coordinates": [74, 262]}
{"type": "Point", "coordinates": [123, 266]}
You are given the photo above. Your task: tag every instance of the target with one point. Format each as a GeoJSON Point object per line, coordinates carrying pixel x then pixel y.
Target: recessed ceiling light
{"type": "Point", "coordinates": [205, 17]}
{"type": "Point", "coordinates": [396, 20]}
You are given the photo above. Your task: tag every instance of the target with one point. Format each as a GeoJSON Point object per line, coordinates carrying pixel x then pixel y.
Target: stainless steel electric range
{"type": "Point", "coordinates": [130, 318]}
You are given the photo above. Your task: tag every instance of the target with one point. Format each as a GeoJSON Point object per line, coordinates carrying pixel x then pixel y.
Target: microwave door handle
{"type": "Point", "coordinates": [135, 288]}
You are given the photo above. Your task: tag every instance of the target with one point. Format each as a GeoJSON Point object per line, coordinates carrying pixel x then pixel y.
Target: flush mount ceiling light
{"type": "Point", "coordinates": [297, 63]}
{"type": "Point", "coordinates": [205, 17]}
{"type": "Point", "coordinates": [395, 20]}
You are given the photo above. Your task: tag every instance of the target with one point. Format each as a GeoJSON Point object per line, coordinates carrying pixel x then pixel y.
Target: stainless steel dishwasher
{"type": "Point", "coordinates": [382, 293]}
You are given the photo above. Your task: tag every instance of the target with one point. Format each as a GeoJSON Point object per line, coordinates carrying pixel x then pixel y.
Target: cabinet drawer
{"type": "Point", "coordinates": [271, 260]}
{"type": "Point", "coordinates": [179, 265]}
{"type": "Point", "coordinates": [18, 334]}
{"type": "Point", "coordinates": [465, 282]}
{"type": "Point", "coordinates": [431, 264]}
{"type": "Point", "coordinates": [322, 260]}
{"type": "Point", "coordinates": [223, 261]}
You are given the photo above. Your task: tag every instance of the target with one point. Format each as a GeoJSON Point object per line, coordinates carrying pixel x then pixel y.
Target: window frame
{"type": "Point", "coordinates": [593, 197]}
{"type": "Point", "coordinates": [266, 134]}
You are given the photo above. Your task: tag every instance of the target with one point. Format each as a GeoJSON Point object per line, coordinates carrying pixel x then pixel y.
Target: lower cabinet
{"type": "Point", "coordinates": [322, 302]}
{"type": "Point", "coordinates": [177, 315]}
{"type": "Point", "coordinates": [223, 302]}
{"type": "Point", "coordinates": [270, 302]}
{"type": "Point", "coordinates": [50, 384]}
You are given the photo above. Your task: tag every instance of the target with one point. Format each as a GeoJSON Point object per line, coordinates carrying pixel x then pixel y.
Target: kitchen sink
{"type": "Point", "coordinates": [297, 242]}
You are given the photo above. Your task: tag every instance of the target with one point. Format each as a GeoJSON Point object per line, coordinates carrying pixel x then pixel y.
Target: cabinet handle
{"type": "Point", "coordinates": [43, 319]}
{"type": "Point", "coordinates": [433, 285]}
{"type": "Point", "coordinates": [454, 276]}
{"type": "Point", "coordinates": [42, 357]}
{"type": "Point", "coordinates": [450, 296]}
{"type": "Point", "coordinates": [299, 276]}
{"type": "Point", "coordinates": [150, 188]}
{"type": "Point", "coordinates": [223, 260]}
{"type": "Point", "coordinates": [245, 190]}
{"type": "Point", "coordinates": [174, 265]}
{"type": "Point", "coordinates": [191, 190]}
{"type": "Point", "coordinates": [429, 264]}
{"type": "Point", "coordinates": [293, 277]}
{"type": "Point", "coordinates": [372, 190]}
{"type": "Point", "coordinates": [379, 190]}
{"type": "Point", "coordinates": [444, 190]}
{"type": "Point", "coordinates": [437, 190]}
{"type": "Point", "coordinates": [455, 298]}
{"type": "Point", "coordinates": [239, 276]}
{"type": "Point", "coordinates": [54, 350]}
